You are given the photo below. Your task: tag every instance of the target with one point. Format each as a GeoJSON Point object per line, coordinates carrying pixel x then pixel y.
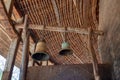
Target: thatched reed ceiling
{"type": "Point", "coordinates": [62, 13]}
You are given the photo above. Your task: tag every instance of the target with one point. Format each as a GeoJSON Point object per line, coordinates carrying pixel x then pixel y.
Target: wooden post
{"type": "Point", "coordinates": [94, 59]}
{"type": "Point", "coordinates": [25, 54]}
{"type": "Point", "coordinates": [11, 59]}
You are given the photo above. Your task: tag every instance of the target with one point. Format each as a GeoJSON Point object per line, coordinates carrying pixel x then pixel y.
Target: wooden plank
{"type": "Point", "coordinates": [25, 54]}
{"type": "Point", "coordinates": [11, 59]}
{"type": "Point", "coordinates": [82, 31]}
{"type": "Point", "coordinates": [68, 72]}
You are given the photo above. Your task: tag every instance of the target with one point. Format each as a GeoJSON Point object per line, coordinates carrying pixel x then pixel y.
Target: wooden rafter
{"type": "Point", "coordinates": [7, 22]}
{"type": "Point", "coordinates": [9, 6]}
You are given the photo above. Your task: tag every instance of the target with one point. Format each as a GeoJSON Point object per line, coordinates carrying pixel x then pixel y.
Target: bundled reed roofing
{"type": "Point", "coordinates": [63, 13]}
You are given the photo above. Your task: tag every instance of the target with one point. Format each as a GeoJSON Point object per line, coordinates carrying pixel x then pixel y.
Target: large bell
{"type": "Point", "coordinates": [65, 49]}
{"type": "Point", "coordinates": [40, 52]}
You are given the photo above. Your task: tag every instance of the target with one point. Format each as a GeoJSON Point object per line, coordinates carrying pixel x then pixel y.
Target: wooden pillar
{"type": "Point", "coordinates": [93, 55]}
{"type": "Point", "coordinates": [11, 59]}
{"type": "Point", "coordinates": [25, 54]}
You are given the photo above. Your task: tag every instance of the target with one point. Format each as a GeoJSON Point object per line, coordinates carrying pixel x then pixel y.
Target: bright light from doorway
{"type": "Point", "coordinates": [16, 70]}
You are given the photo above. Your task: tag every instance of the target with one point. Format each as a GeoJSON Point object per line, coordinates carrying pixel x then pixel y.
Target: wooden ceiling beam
{"type": "Point", "coordinates": [82, 31]}
{"type": "Point", "coordinates": [9, 6]}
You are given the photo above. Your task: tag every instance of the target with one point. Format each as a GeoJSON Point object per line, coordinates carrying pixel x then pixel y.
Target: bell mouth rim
{"type": "Point", "coordinates": [38, 53]}
{"type": "Point", "coordinates": [60, 53]}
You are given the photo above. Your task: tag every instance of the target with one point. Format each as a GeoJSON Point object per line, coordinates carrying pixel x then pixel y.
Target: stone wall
{"type": "Point", "coordinates": [109, 44]}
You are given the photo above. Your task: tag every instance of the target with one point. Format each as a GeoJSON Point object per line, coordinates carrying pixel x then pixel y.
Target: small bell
{"type": "Point", "coordinates": [65, 49]}
{"type": "Point", "coordinates": [40, 52]}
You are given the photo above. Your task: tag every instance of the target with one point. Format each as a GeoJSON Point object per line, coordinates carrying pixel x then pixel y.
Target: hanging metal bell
{"type": "Point", "coordinates": [65, 49]}
{"type": "Point", "coordinates": [40, 52]}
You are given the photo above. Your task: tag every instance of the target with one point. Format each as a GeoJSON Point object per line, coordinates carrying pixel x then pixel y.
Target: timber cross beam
{"type": "Point", "coordinates": [82, 31]}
